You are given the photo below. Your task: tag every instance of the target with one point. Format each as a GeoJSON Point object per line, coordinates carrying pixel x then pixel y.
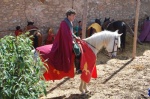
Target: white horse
{"type": "Point", "coordinates": [107, 39]}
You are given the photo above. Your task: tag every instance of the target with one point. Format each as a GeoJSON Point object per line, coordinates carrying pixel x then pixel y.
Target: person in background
{"type": "Point", "coordinates": [50, 37]}
{"type": "Point", "coordinates": [80, 29]}
{"type": "Point", "coordinates": [30, 26]}
{"type": "Point", "coordinates": [18, 31]}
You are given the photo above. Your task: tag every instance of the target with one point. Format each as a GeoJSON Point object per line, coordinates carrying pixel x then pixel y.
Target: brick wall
{"type": "Point", "coordinates": [52, 12]}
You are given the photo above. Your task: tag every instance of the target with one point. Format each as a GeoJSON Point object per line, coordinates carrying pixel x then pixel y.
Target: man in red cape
{"type": "Point", "coordinates": [59, 56]}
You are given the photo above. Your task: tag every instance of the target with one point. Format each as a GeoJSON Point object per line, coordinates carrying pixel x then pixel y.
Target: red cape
{"type": "Point", "coordinates": [59, 55]}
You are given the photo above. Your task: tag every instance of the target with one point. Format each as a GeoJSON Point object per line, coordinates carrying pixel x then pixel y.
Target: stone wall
{"type": "Point", "coordinates": [52, 12]}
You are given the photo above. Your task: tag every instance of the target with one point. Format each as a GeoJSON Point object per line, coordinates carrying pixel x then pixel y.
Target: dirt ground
{"type": "Point", "coordinates": [118, 78]}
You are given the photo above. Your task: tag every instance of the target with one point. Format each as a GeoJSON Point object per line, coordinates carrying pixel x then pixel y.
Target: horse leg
{"type": "Point", "coordinates": [85, 87]}
{"type": "Point", "coordinates": [81, 87]}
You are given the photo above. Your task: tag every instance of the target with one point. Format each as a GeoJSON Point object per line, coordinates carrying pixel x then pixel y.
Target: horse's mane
{"type": "Point", "coordinates": [100, 36]}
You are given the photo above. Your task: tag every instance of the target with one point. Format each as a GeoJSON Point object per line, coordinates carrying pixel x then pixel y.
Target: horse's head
{"type": "Point", "coordinates": [105, 23]}
{"type": "Point", "coordinates": [114, 44]}
{"type": "Point", "coordinates": [98, 21]}
{"type": "Point", "coordinates": [106, 20]}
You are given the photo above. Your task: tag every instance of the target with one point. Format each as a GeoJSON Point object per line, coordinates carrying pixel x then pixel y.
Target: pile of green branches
{"type": "Point", "coordinates": [20, 75]}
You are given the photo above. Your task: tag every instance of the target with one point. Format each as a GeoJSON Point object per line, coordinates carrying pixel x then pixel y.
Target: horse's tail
{"type": "Point", "coordinates": [132, 32]}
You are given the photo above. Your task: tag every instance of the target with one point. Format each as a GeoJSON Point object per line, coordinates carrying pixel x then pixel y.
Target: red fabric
{"type": "Point", "coordinates": [18, 32]}
{"type": "Point", "coordinates": [52, 73]}
{"type": "Point", "coordinates": [88, 63]}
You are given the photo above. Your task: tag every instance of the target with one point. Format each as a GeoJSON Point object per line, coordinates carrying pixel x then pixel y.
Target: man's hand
{"type": "Point", "coordinates": [78, 38]}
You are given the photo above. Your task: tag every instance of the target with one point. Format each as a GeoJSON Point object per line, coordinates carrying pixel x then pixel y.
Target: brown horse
{"type": "Point", "coordinates": [35, 32]}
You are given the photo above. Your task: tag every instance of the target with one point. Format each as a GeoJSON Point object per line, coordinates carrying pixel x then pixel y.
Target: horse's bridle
{"type": "Point", "coordinates": [109, 24]}
{"type": "Point", "coordinates": [115, 39]}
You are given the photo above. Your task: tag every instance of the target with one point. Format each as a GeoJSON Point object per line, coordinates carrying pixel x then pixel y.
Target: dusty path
{"type": "Point", "coordinates": [120, 78]}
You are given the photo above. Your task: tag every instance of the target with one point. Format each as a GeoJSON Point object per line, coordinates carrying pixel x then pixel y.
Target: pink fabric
{"type": "Point", "coordinates": [145, 34]}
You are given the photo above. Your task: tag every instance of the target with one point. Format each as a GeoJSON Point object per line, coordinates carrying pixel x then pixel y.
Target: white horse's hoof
{"type": "Point", "coordinates": [81, 90]}
{"type": "Point", "coordinates": [87, 91]}
{"type": "Point", "coordinates": [83, 93]}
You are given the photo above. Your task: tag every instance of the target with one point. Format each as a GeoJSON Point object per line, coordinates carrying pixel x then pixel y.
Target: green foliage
{"type": "Point", "coordinates": [20, 75]}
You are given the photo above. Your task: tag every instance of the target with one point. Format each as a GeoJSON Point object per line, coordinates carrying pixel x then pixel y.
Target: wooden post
{"type": "Point", "coordinates": [84, 19]}
{"type": "Point", "coordinates": [136, 27]}
{"type": "Point", "coordinates": [72, 3]}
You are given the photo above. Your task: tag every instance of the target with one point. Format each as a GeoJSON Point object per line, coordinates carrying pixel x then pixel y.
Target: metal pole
{"type": "Point", "coordinates": [136, 27]}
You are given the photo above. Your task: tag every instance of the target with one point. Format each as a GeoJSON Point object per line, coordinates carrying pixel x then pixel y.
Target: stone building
{"type": "Point", "coordinates": [52, 12]}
